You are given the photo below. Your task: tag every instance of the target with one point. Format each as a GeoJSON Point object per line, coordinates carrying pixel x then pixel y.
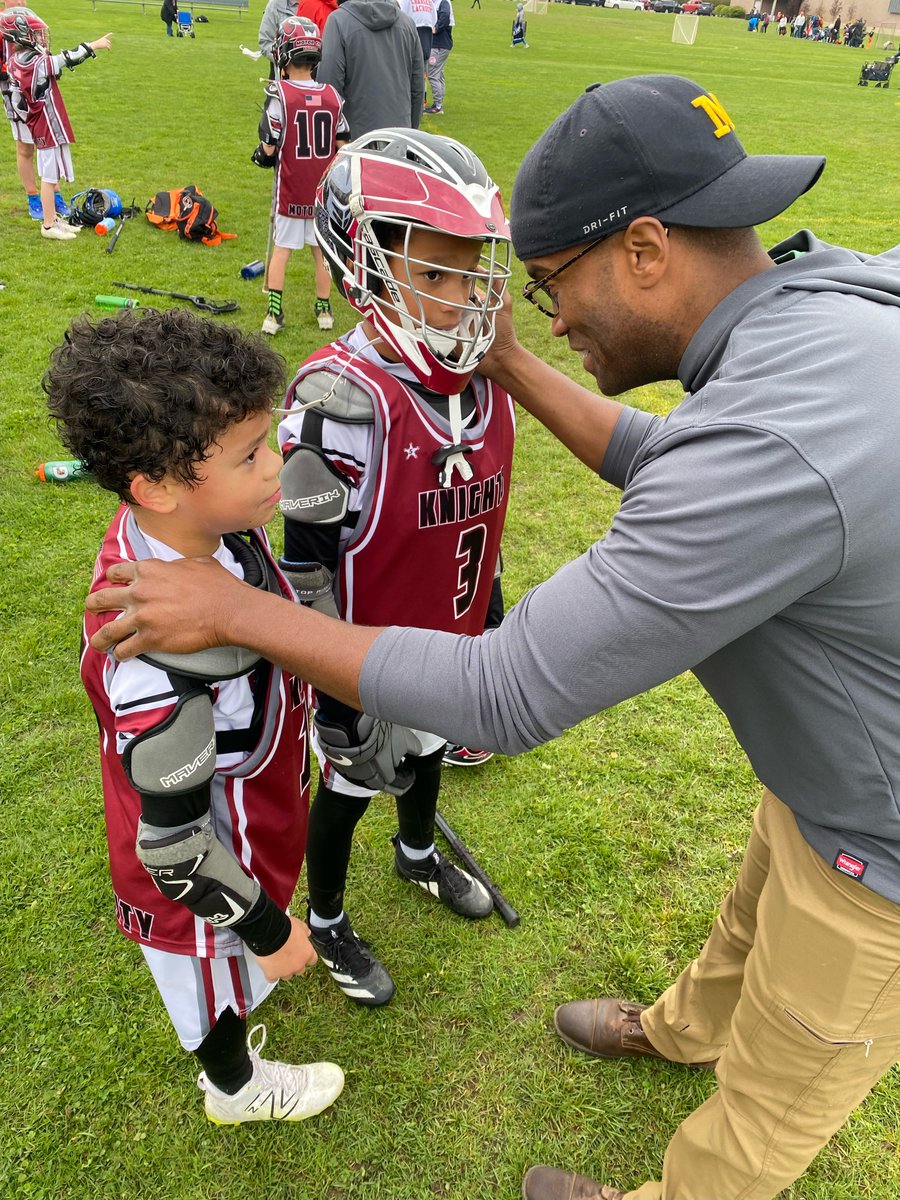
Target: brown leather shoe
{"type": "Point", "coordinates": [546, 1183]}
{"type": "Point", "coordinates": [609, 1028]}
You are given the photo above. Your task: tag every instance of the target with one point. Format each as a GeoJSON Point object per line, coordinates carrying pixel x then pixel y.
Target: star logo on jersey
{"type": "Point", "coordinates": [411, 451]}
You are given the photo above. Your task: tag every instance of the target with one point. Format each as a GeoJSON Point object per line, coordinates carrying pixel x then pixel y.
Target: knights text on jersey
{"type": "Point", "coordinates": [259, 803]}
{"type": "Point", "coordinates": [46, 117]}
{"type": "Point", "coordinates": [306, 118]}
{"type": "Point", "coordinates": [421, 554]}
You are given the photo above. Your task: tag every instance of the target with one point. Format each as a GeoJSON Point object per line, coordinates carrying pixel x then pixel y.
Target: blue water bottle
{"type": "Point", "coordinates": [253, 269]}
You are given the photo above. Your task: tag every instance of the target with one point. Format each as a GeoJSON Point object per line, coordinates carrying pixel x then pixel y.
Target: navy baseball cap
{"type": "Point", "coordinates": [649, 145]}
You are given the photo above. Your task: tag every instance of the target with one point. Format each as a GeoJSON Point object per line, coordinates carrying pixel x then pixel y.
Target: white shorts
{"type": "Point", "coordinates": [54, 164]}
{"type": "Point", "coordinates": [293, 233]}
{"type": "Point", "coordinates": [21, 133]}
{"type": "Point", "coordinates": [337, 783]}
{"type": "Point", "coordinates": [196, 991]}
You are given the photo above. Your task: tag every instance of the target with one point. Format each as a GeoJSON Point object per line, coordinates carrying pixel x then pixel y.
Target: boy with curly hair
{"type": "Point", "coordinates": [204, 761]}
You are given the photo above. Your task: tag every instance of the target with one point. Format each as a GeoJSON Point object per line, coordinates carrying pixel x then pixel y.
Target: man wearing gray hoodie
{"type": "Point", "coordinates": [372, 56]}
{"type": "Point", "coordinates": [757, 544]}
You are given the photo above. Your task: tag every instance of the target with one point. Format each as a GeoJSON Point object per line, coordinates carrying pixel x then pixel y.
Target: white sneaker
{"type": "Point", "coordinates": [273, 324]}
{"type": "Point", "coordinates": [324, 317]}
{"type": "Point", "coordinates": [276, 1091]}
{"type": "Point", "coordinates": [59, 231]}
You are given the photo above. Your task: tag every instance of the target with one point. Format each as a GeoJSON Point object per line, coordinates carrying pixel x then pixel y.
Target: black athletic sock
{"type": "Point", "coordinates": [224, 1055]}
{"type": "Point", "coordinates": [417, 806]}
{"type": "Point", "coordinates": [332, 821]}
{"type": "Point", "coordinates": [275, 302]}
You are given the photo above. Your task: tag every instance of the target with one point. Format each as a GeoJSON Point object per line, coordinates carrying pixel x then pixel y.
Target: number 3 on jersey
{"type": "Point", "coordinates": [470, 551]}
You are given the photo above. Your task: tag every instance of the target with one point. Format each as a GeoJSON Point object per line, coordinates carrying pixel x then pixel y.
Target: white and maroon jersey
{"type": "Point", "coordinates": [259, 794]}
{"type": "Point", "coordinates": [411, 552]}
{"type": "Point", "coordinates": [305, 118]}
{"type": "Point", "coordinates": [34, 74]}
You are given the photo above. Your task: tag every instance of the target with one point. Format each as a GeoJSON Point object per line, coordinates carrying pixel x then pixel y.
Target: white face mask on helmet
{"type": "Point", "coordinates": [406, 180]}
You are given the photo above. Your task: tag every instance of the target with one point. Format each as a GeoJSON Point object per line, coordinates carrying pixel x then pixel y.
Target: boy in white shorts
{"type": "Point", "coordinates": [205, 763]}
{"type": "Point", "coordinates": [301, 128]}
{"type": "Point", "coordinates": [33, 74]}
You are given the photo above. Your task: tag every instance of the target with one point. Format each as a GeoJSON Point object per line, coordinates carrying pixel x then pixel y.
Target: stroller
{"type": "Point", "coordinates": [878, 73]}
{"type": "Point", "coordinates": [185, 24]}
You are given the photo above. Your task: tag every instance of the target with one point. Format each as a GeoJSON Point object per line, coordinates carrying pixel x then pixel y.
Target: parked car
{"type": "Point", "coordinates": [635, 5]}
{"type": "Point", "coordinates": [667, 6]}
{"type": "Point", "coordinates": [700, 7]}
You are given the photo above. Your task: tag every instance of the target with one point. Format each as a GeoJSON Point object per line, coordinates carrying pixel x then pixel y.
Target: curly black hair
{"type": "Point", "coordinates": [147, 392]}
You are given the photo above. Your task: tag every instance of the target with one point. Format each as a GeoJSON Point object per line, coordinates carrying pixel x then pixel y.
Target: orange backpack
{"type": "Point", "coordinates": [187, 210]}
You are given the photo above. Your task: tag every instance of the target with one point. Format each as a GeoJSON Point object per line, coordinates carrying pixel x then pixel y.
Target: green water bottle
{"type": "Point", "coordinates": [115, 302]}
{"type": "Point", "coordinates": [63, 471]}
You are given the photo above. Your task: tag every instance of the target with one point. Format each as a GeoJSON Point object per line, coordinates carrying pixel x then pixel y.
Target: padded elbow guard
{"type": "Point", "coordinates": [192, 867]}
{"type": "Point", "coordinates": [373, 760]}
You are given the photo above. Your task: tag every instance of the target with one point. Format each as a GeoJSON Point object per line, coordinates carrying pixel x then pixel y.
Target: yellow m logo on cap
{"type": "Point", "coordinates": [716, 114]}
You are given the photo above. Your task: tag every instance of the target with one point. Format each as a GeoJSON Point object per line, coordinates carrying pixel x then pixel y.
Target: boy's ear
{"type": "Point", "coordinates": [157, 495]}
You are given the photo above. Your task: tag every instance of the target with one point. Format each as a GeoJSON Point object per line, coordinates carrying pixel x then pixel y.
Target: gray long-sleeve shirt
{"type": "Point", "coordinates": [757, 543]}
{"type": "Point", "coordinates": [276, 11]}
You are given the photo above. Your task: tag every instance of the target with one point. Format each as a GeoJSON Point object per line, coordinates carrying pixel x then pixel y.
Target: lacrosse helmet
{"type": "Point", "coordinates": [23, 27]}
{"type": "Point", "coordinates": [95, 205]}
{"type": "Point", "coordinates": [297, 41]}
{"type": "Point", "coordinates": [409, 180]}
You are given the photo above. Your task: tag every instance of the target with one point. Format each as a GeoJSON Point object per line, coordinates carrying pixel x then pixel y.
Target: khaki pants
{"type": "Point", "coordinates": [797, 992]}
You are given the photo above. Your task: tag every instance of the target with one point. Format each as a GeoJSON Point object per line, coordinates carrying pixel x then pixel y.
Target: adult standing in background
{"type": "Point", "coordinates": [372, 56]}
{"type": "Point", "coordinates": [169, 14]}
{"type": "Point", "coordinates": [423, 14]}
{"type": "Point", "coordinates": [276, 11]}
{"type": "Point", "coordinates": [440, 51]}
{"type": "Point", "coordinates": [317, 11]}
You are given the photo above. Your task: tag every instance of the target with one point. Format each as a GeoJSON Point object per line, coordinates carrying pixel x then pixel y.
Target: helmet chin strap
{"type": "Point", "coordinates": [450, 458]}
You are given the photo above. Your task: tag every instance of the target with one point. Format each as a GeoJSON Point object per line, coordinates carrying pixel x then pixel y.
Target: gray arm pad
{"type": "Point", "coordinates": [311, 491]}
{"type": "Point", "coordinates": [192, 867]}
{"type": "Point", "coordinates": [312, 583]}
{"type": "Point", "coordinates": [375, 760]}
{"type": "Point", "coordinates": [179, 754]}
{"type": "Point", "coordinates": [73, 58]}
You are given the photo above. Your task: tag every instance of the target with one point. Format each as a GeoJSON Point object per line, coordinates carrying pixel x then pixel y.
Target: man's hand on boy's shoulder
{"type": "Point", "coordinates": [179, 606]}
{"type": "Point", "coordinates": [294, 956]}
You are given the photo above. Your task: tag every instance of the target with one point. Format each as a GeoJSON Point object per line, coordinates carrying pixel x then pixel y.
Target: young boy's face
{"type": "Point", "coordinates": [237, 487]}
{"type": "Point", "coordinates": [442, 293]}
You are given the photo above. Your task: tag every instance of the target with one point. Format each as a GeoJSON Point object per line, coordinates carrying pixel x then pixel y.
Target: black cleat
{"type": "Point", "coordinates": [351, 964]}
{"type": "Point", "coordinates": [452, 886]}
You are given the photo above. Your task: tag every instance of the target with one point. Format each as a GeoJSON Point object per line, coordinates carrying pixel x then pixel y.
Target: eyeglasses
{"type": "Point", "coordinates": [539, 286]}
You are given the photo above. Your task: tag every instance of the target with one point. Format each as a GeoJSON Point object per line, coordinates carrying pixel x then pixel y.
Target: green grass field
{"type": "Point", "coordinates": [616, 843]}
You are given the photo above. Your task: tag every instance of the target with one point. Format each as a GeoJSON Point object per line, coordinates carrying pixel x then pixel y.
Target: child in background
{"type": "Point", "coordinates": [302, 125]}
{"type": "Point", "coordinates": [204, 758]}
{"type": "Point", "coordinates": [519, 26]}
{"type": "Point", "coordinates": [12, 106]}
{"type": "Point", "coordinates": [33, 72]}
{"type": "Point", "coordinates": [397, 468]}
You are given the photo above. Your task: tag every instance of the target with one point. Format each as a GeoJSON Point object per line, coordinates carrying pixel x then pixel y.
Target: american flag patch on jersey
{"type": "Point", "coordinates": [313, 101]}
